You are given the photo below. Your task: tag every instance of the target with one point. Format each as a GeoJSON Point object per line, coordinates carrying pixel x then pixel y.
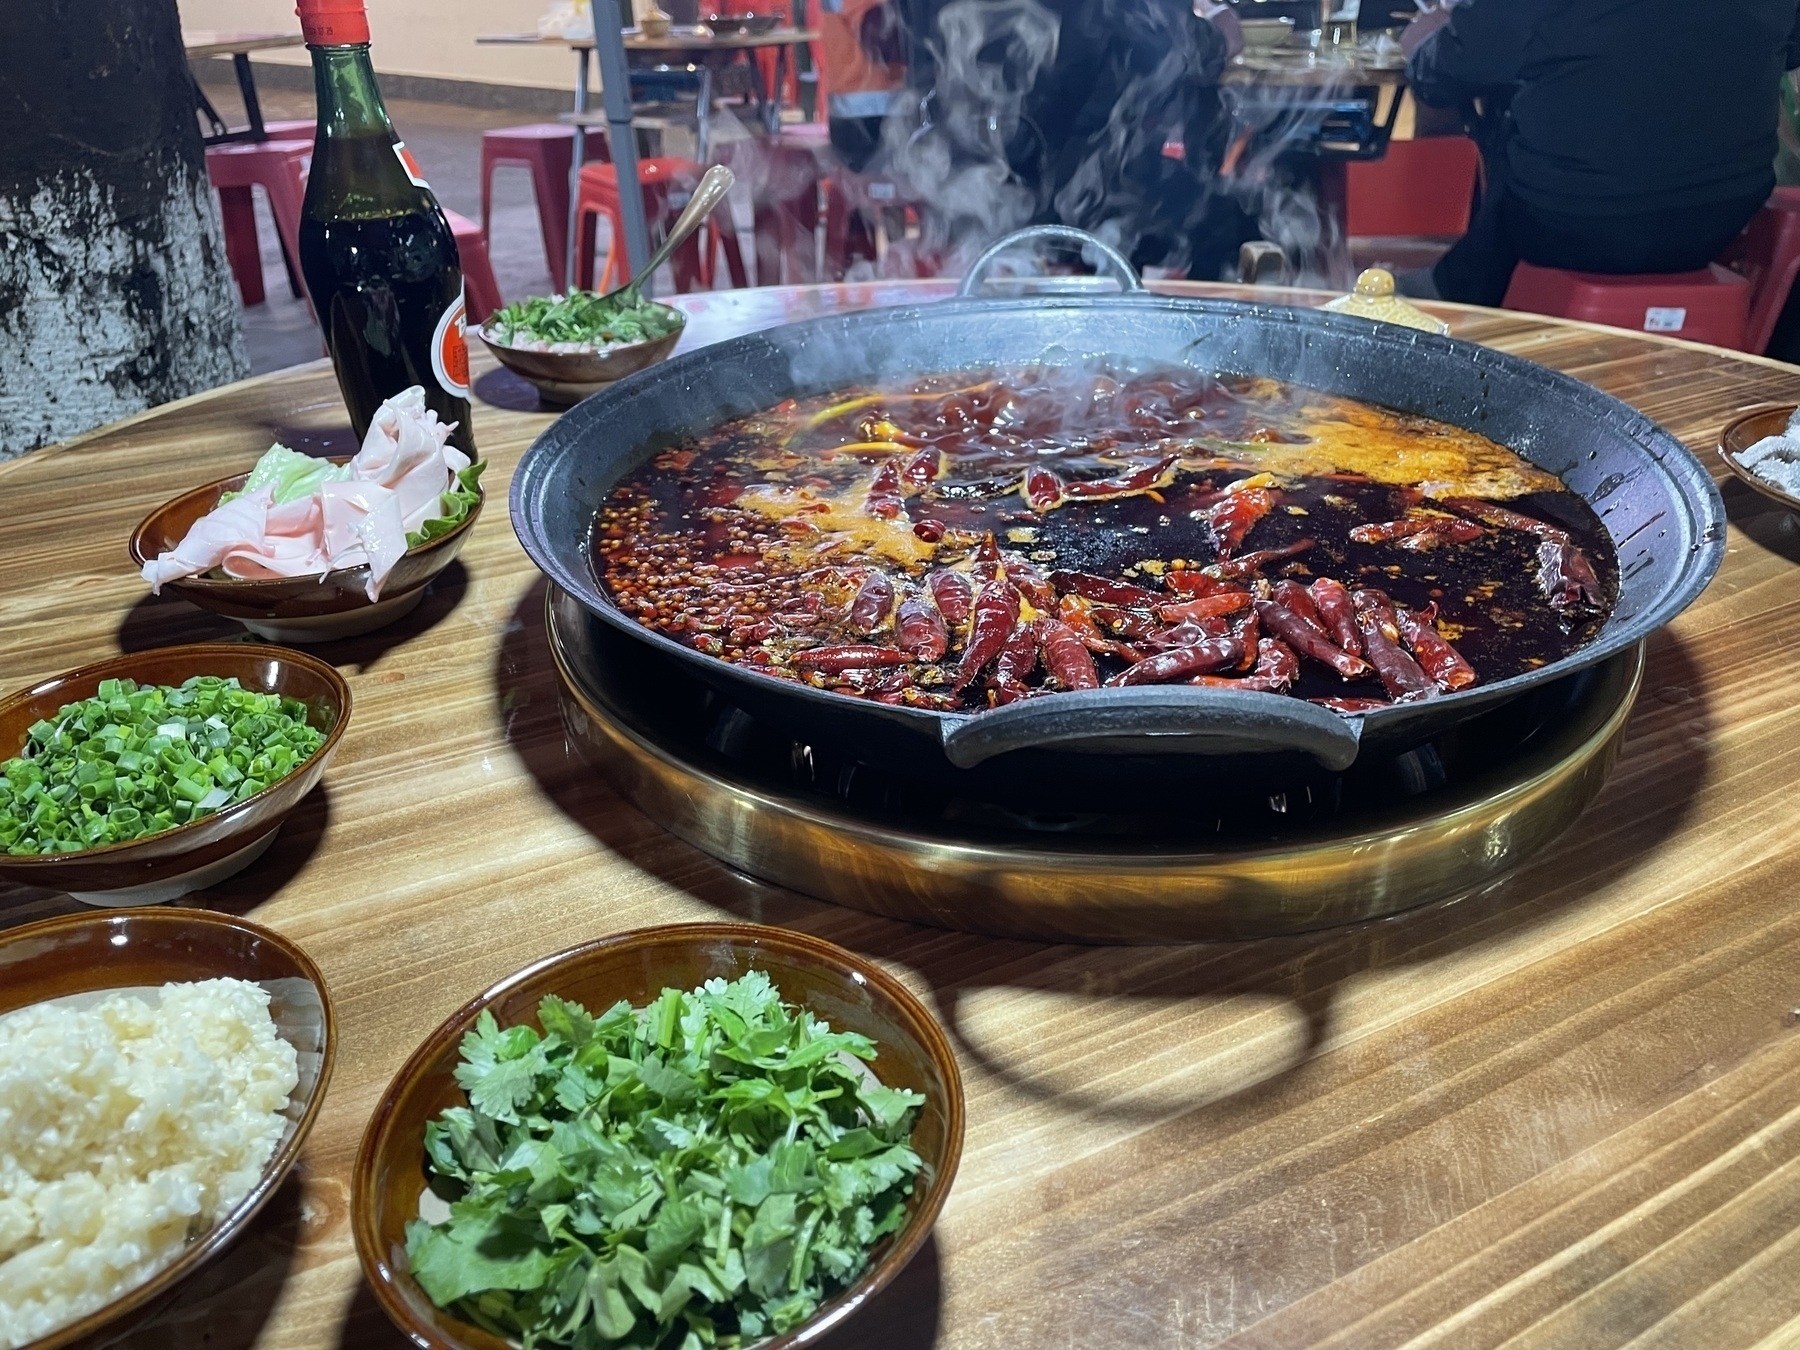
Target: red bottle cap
{"type": "Point", "coordinates": [333, 23]}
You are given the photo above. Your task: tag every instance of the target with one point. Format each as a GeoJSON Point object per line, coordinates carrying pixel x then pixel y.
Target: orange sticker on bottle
{"type": "Point", "coordinates": [411, 165]}
{"type": "Point", "coordinates": [450, 349]}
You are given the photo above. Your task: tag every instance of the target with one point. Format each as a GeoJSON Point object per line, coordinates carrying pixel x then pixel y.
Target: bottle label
{"type": "Point", "coordinates": [333, 23]}
{"type": "Point", "coordinates": [450, 349]}
{"type": "Point", "coordinates": [411, 165]}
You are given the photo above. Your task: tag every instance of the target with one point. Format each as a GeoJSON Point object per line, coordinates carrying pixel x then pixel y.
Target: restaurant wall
{"type": "Point", "coordinates": [432, 38]}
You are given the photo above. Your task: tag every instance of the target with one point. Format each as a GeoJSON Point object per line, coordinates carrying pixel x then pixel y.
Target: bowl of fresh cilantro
{"type": "Point", "coordinates": [693, 1137]}
{"type": "Point", "coordinates": [571, 345]}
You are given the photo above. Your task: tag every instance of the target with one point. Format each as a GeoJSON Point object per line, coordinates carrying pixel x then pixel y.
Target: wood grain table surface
{"type": "Point", "coordinates": [1563, 1112]}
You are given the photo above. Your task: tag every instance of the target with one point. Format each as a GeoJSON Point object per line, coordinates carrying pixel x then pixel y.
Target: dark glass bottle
{"type": "Point", "coordinates": [378, 256]}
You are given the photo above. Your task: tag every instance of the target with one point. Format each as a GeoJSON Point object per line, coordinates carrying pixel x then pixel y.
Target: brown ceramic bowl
{"type": "Point", "coordinates": [164, 866]}
{"type": "Point", "coordinates": [565, 378]}
{"type": "Point", "coordinates": [142, 950]}
{"type": "Point", "coordinates": [1742, 433]}
{"type": "Point", "coordinates": [850, 993]}
{"type": "Point", "coordinates": [296, 609]}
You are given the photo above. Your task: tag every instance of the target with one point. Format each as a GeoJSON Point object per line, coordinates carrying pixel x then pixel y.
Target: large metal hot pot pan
{"type": "Point", "coordinates": [1658, 504]}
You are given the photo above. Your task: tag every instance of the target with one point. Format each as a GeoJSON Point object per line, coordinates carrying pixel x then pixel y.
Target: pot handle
{"type": "Point", "coordinates": [1116, 262]}
{"type": "Point", "coordinates": [1157, 720]}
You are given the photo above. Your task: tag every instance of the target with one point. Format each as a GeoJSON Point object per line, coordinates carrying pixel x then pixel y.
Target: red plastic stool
{"type": "Point", "coordinates": [547, 149]}
{"type": "Point", "coordinates": [849, 195]}
{"type": "Point", "coordinates": [481, 293]}
{"type": "Point", "coordinates": [1420, 187]}
{"type": "Point", "coordinates": [1767, 255]}
{"type": "Point", "coordinates": [279, 169]}
{"type": "Point", "coordinates": [783, 174]}
{"type": "Point", "coordinates": [667, 184]}
{"type": "Point", "coordinates": [1711, 305]}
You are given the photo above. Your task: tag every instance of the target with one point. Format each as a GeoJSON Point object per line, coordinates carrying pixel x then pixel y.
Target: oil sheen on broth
{"type": "Point", "coordinates": [978, 537]}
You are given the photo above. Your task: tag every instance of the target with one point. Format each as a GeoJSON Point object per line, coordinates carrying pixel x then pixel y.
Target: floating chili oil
{"type": "Point", "coordinates": [974, 538]}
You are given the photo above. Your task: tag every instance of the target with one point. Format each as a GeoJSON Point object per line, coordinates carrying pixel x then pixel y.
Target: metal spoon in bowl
{"type": "Point", "coordinates": [711, 191]}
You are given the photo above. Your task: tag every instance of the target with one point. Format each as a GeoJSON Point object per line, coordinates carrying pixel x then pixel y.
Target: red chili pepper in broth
{"type": "Point", "coordinates": [1501, 518]}
{"type": "Point", "coordinates": [872, 603]}
{"type": "Point", "coordinates": [922, 469]}
{"type": "Point", "coordinates": [1565, 576]}
{"type": "Point", "coordinates": [1066, 657]}
{"type": "Point", "coordinates": [1233, 517]}
{"type": "Point", "coordinates": [1249, 632]}
{"type": "Point", "coordinates": [1017, 659]}
{"type": "Point", "coordinates": [1252, 563]}
{"type": "Point", "coordinates": [1309, 640]}
{"type": "Point", "coordinates": [919, 628]}
{"type": "Point", "coordinates": [1193, 584]}
{"type": "Point", "coordinates": [1276, 662]}
{"type": "Point", "coordinates": [1436, 657]}
{"type": "Point", "coordinates": [1041, 489]}
{"type": "Point", "coordinates": [1401, 676]}
{"type": "Point", "coordinates": [1103, 589]}
{"type": "Point", "coordinates": [1297, 598]}
{"type": "Point", "coordinates": [1178, 663]}
{"type": "Point", "coordinates": [953, 595]}
{"type": "Point", "coordinates": [850, 656]}
{"type": "Point", "coordinates": [1123, 622]}
{"type": "Point", "coordinates": [1205, 607]}
{"type": "Point", "coordinates": [1031, 584]}
{"type": "Point", "coordinates": [884, 492]}
{"type": "Point", "coordinates": [1337, 614]}
{"type": "Point", "coordinates": [1077, 614]}
{"type": "Point", "coordinates": [931, 531]}
{"type": "Point", "coordinates": [1150, 476]}
{"type": "Point", "coordinates": [996, 614]}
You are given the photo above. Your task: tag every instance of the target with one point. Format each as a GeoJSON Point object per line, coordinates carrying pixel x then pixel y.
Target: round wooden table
{"type": "Point", "coordinates": [1564, 1111]}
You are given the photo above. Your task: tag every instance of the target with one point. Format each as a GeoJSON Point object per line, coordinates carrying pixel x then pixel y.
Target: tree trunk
{"type": "Point", "coordinates": [114, 293]}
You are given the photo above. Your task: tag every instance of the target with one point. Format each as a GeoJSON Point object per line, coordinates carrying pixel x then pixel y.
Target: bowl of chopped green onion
{"type": "Point", "coordinates": [706, 1136]}
{"type": "Point", "coordinates": [146, 777]}
{"type": "Point", "coordinates": [570, 346]}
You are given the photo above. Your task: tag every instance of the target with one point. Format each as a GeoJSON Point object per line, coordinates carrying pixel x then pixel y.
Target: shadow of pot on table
{"type": "Point", "coordinates": [1301, 978]}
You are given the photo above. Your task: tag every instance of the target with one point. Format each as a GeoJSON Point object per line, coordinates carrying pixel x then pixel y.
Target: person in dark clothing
{"type": "Point", "coordinates": [1071, 103]}
{"type": "Point", "coordinates": [1635, 136]}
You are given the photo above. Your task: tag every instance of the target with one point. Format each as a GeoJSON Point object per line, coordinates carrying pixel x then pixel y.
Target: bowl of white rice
{"type": "Point", "coordinates": [159, 1071]}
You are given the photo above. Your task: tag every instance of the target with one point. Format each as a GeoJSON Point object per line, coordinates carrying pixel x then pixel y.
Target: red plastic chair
{"type": "Point", "coordinates": [1767, 255]}
{"type": "Point", "coordinates": [481, 292]}
{"type": "Point", "coordinates": [1711, 305]}
{"type": "Point", "coordinates": [1734, 302]}
{"type": "Point", "coordinates": [279, 169]}
{"type": "Point", "coordinates": [871, 197]}
{"type": "Point", "coordinates": [1419, 187]}
{"type": "Point", "coordinates": [783, 173]}
{"type": "Point", "coordinates": [547, 149]}
{"type": "Point", "coordinates": [667, 184]}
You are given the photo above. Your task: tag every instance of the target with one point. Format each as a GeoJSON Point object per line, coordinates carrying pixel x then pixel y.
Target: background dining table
{"type": "Point", "coordinates": [1564, 1111]}
{"type": "Point", "coordinates": [200, 44]}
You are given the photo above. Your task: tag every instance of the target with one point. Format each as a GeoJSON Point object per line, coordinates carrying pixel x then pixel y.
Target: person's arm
{"type": "Point", "coordinates": [1480, 46]}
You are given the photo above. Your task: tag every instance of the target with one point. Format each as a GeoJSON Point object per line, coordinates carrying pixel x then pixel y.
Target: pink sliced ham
{"type": "Point", "coordinates": [396, 484]}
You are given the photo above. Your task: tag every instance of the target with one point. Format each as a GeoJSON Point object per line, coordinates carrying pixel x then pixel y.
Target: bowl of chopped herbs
{"type": "Point", "coordinates": [570, 346]}
{"type": "Point", "coordinates": [698, 1137]}
{"type": "Point", "coordinates": [151, 775]}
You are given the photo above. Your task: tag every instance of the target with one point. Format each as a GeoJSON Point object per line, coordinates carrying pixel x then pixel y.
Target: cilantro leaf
{"type": "Point", "coordinates": [692, 1175]}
